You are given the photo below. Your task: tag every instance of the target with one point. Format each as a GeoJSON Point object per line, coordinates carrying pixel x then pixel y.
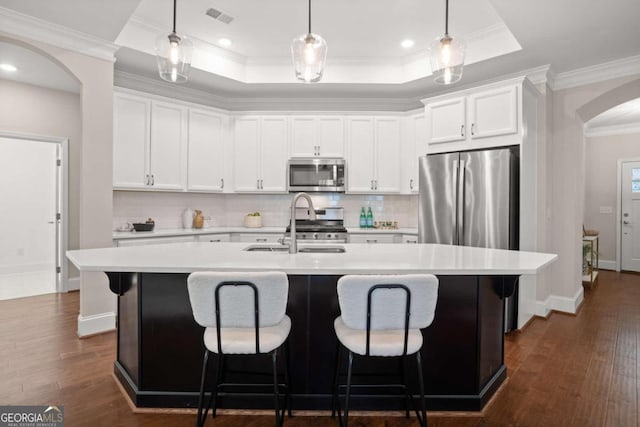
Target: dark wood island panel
{"type": "Point", "coordinates": [160, 347]}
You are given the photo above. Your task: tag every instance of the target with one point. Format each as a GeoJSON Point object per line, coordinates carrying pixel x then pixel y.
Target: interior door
{"type": "Point", "coordinates": [630, 226]}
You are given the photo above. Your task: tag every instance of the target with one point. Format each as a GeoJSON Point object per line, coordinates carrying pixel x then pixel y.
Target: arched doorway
{"type": "Point", "coordinates": [612, 144]}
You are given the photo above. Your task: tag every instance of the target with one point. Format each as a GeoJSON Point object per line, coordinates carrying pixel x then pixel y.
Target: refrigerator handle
{"type": "Point", "coordinates": [454, 199]}
{"type": "Point", "coordinates": [460, 202]}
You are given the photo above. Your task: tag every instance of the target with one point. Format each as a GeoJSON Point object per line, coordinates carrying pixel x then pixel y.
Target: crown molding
{"type": "Point", "coordinates": [625, 129]}
{"type": "Point", "coordinates": [29, 27]}
{"type": "Point", "coordinates": [152, 86]}
{"type": "Point", "coordinates": [597, 73]}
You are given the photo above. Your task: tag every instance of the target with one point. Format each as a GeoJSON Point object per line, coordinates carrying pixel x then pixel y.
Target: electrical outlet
{"type": "Point", "coordinates": [606, 210]}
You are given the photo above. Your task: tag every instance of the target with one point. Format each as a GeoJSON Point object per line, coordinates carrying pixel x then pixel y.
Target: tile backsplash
{"type": "Point", "coordinates": [229, 210]}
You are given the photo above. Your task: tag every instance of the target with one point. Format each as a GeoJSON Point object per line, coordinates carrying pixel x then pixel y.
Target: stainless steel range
{"type": "Point", "coordinates": [328, 227]}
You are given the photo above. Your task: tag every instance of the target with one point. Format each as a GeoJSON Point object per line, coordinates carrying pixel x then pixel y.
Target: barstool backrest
{"type": "Point", "coordinates": [237, 302]}
{"type": "Point", "coordinates": [388, 306]}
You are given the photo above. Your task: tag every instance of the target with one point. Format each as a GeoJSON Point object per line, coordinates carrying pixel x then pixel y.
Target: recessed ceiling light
{"type": "Point", "coordinates": [407, 43]}
{"type": "Point", "coordinates": [8, 68]}
{"type": "Point", "coordinates": [224, 42]}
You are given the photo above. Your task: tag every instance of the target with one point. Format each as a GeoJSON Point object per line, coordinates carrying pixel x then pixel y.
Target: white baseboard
{"type": "Point", "coordinates": [607, 265]}
{"type": "Point", "coordinates": [566, 304]}
{"type": "Point", "coordinates": [73, 284]}
{"type": "Point", "coordinates": [542, 308]}
{"type": "Point", "coordinates": [91, 325]}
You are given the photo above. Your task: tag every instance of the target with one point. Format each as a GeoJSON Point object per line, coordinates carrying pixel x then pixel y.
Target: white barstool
{"type": "Point", "coordinates": [382, 316]}
{"type": "Point", "coordinates": [243, 313]}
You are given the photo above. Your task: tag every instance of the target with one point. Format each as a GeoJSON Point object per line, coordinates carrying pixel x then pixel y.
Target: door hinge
{"type": "Point", "coordinates": [58, 162]}
{"type": "Point", "coordinates": [58, 269]}
{"type": "Point", "coordinates": [58, 216]}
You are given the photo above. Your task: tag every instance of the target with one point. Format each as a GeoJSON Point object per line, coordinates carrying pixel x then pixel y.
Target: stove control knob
{"type": "Point", "coordinates": [315, 235]}
{"type": "Point", "coordinates": [328, 236]}
{"type": "Point", "coordinates": [303, 236]}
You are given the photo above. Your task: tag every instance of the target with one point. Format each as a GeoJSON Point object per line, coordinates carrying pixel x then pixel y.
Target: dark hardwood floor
{"type": "Point", "coordinates": [564, 371]}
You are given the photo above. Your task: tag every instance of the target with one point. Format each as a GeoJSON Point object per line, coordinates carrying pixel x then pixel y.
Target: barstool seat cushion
{"type": "Point", "coordinates": [387, 342]}
{"type": "Point", "coordinates": [243, 340]}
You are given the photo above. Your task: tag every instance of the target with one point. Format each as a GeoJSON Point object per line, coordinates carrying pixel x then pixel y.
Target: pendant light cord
{"type": "Point", "coordinates": [174, 16]}
{"type": "Point", "coordinates": [446, 19]}
{"type": "Point", "coordinates": [309, 16]}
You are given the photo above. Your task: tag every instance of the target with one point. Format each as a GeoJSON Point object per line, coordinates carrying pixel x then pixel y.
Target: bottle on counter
{"type": "Point", "coordinates": [363, 218]}
{"type": "Point", "coordinates": [187, 218]}
{"type": "Point", "coordinates": [369, 218]}
{"type": "Point", "coordinates": [198, 219]}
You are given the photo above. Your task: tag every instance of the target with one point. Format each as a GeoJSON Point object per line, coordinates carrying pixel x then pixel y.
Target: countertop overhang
{"type": "Point", "coordinates": [358, 259]}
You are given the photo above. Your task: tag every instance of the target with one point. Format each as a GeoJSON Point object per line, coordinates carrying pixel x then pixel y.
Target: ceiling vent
{"type": "Point", "coordinates": [218, 15]}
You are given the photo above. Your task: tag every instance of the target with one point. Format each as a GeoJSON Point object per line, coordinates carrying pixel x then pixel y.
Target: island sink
{"type": "Point", "coordinates": [316, 249]}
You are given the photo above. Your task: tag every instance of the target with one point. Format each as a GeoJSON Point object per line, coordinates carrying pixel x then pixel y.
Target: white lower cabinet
{"type": "Point", "coordinates": [214, 238]}
{"type": "Point", "coordinates": [153, 241]}
{"type": "Point", "coordinates": [409, 238]}
{"type": "Point", "coordinates": [258, 237]}
{"type": "Point", "coordinates": [373, 238]}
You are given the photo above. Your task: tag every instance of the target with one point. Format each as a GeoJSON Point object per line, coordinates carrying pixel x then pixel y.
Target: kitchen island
{"type": "Point", "coordinates": [160, 346]}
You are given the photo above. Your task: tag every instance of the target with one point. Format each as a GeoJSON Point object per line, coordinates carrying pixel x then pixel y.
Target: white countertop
{"type": "Point", "coordinates": [120, 235]}
{"type": "Point", "coordinates": [358, 259]}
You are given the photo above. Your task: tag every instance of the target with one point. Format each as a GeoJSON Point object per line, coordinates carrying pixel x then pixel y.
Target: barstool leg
{"type": "Point", "coordinates": [348, 391]}
{"type": "Point", "coordinates": [403, 372]}
{"type": "Point", "coordinates": [219, 375]}
{"type": "Point", "coordinates": [287, 365]}
{"type": "Point", "coordinates": [423, 410]}
{"type": "Point", "coordinates": [276, 397]}
{"type": "Point", "coordinates": [336, 375]}
{"type": "Point", "coordinates": [200, 420]}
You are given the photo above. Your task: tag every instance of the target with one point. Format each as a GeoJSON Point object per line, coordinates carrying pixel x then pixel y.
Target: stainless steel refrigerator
{"type": "Point", "coordinates": [471, 198]}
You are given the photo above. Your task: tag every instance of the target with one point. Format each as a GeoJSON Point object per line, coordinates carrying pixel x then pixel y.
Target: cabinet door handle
{"type": "Point", "coordinates": [473, 127]}
{"type": "Point", "coordinates": [462, 130]}
{"type": "Point", "coordinates": [412, 241]}
{"type": "Point", "coordinates": [372, 240]}
{"type": "Point", "coordinates": [258, 184]}
{"type": "Point", "coordinates": [153, 179]}
{"type": "Point", "coordinates": [375, 183]}
{"type": "Point", "coordinates": [263, 240]}
{"type": "Point", "coordinates": [411, 184]}
{"type": "Point", "coordinates": [221, 183]}
{"type": "Point", "coordinates": [261, 184]}
{"type": "Point", "coordinates": [372, 184]}
{"type": "Point", "coordinates": [215, 241]}
{"type": "Point", "coordinates": [146, 179]}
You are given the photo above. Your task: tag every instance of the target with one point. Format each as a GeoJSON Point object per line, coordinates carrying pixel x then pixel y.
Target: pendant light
{"type": "Point", "coordinates": [447, 55]}
{"type": "Point", "coordinates": [173, 53]}
{"type": "Point", "coordinates": [309, 53]}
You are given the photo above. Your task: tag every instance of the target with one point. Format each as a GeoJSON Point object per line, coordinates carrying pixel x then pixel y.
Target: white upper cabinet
{"type": "Point", "coordinates": [167, 156]}
{"type": "Point", "coordinates": [415, 145]}
{"type": "Point", "coordinates": [373, 164]}
{"type": "Point", "coordinates": [206, 151]}
{"type": "Point", "coordinates": [260, 154]}
{"type": "Point", "coordinates": [131, 137]}
{"type": "Point", "coordinates": [484, 117]}
{"type": "Point", "coordinates": [494, 112]}
{"type": "Point", "coordinates": [317, 136]}
{"type": "Point", "coordinates": [447, 120]}
{"type": "Point", "coordinates": [149, 144]}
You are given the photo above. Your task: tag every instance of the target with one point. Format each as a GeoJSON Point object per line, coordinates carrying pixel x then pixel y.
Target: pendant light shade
{"type": "Point", "coordinates": [447, 56]}
{"type": "Point", "coordinates": [309, 52]}
{"type": "Point", "coordinates": [173, 54]}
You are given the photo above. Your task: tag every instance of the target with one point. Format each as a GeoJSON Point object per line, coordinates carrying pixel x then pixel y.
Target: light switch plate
{"type": "Point", "coordinates": [606, 210]}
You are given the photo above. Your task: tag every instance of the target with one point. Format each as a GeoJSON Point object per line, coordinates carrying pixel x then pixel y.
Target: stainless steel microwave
{"type": "Point", "coordinates": [318, 175]}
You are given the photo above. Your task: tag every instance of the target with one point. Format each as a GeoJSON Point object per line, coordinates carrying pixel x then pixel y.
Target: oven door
{"type": "Point", "coordinates": [316, 175]}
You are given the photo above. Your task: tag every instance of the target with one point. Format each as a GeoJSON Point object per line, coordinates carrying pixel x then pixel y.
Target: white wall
{"type": "Point", "coordinates": [93, 171]}
{"type": "Point", "coordinates": [28, 194]}
{"type": "Point", "coordinates": [230, 209]}
{"type": "Point", "coordinates": [566, 186]}
{"type": "Point", "coordinates": [36, 110]}
{"type": "Point", "coordinates": [602, 155]}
